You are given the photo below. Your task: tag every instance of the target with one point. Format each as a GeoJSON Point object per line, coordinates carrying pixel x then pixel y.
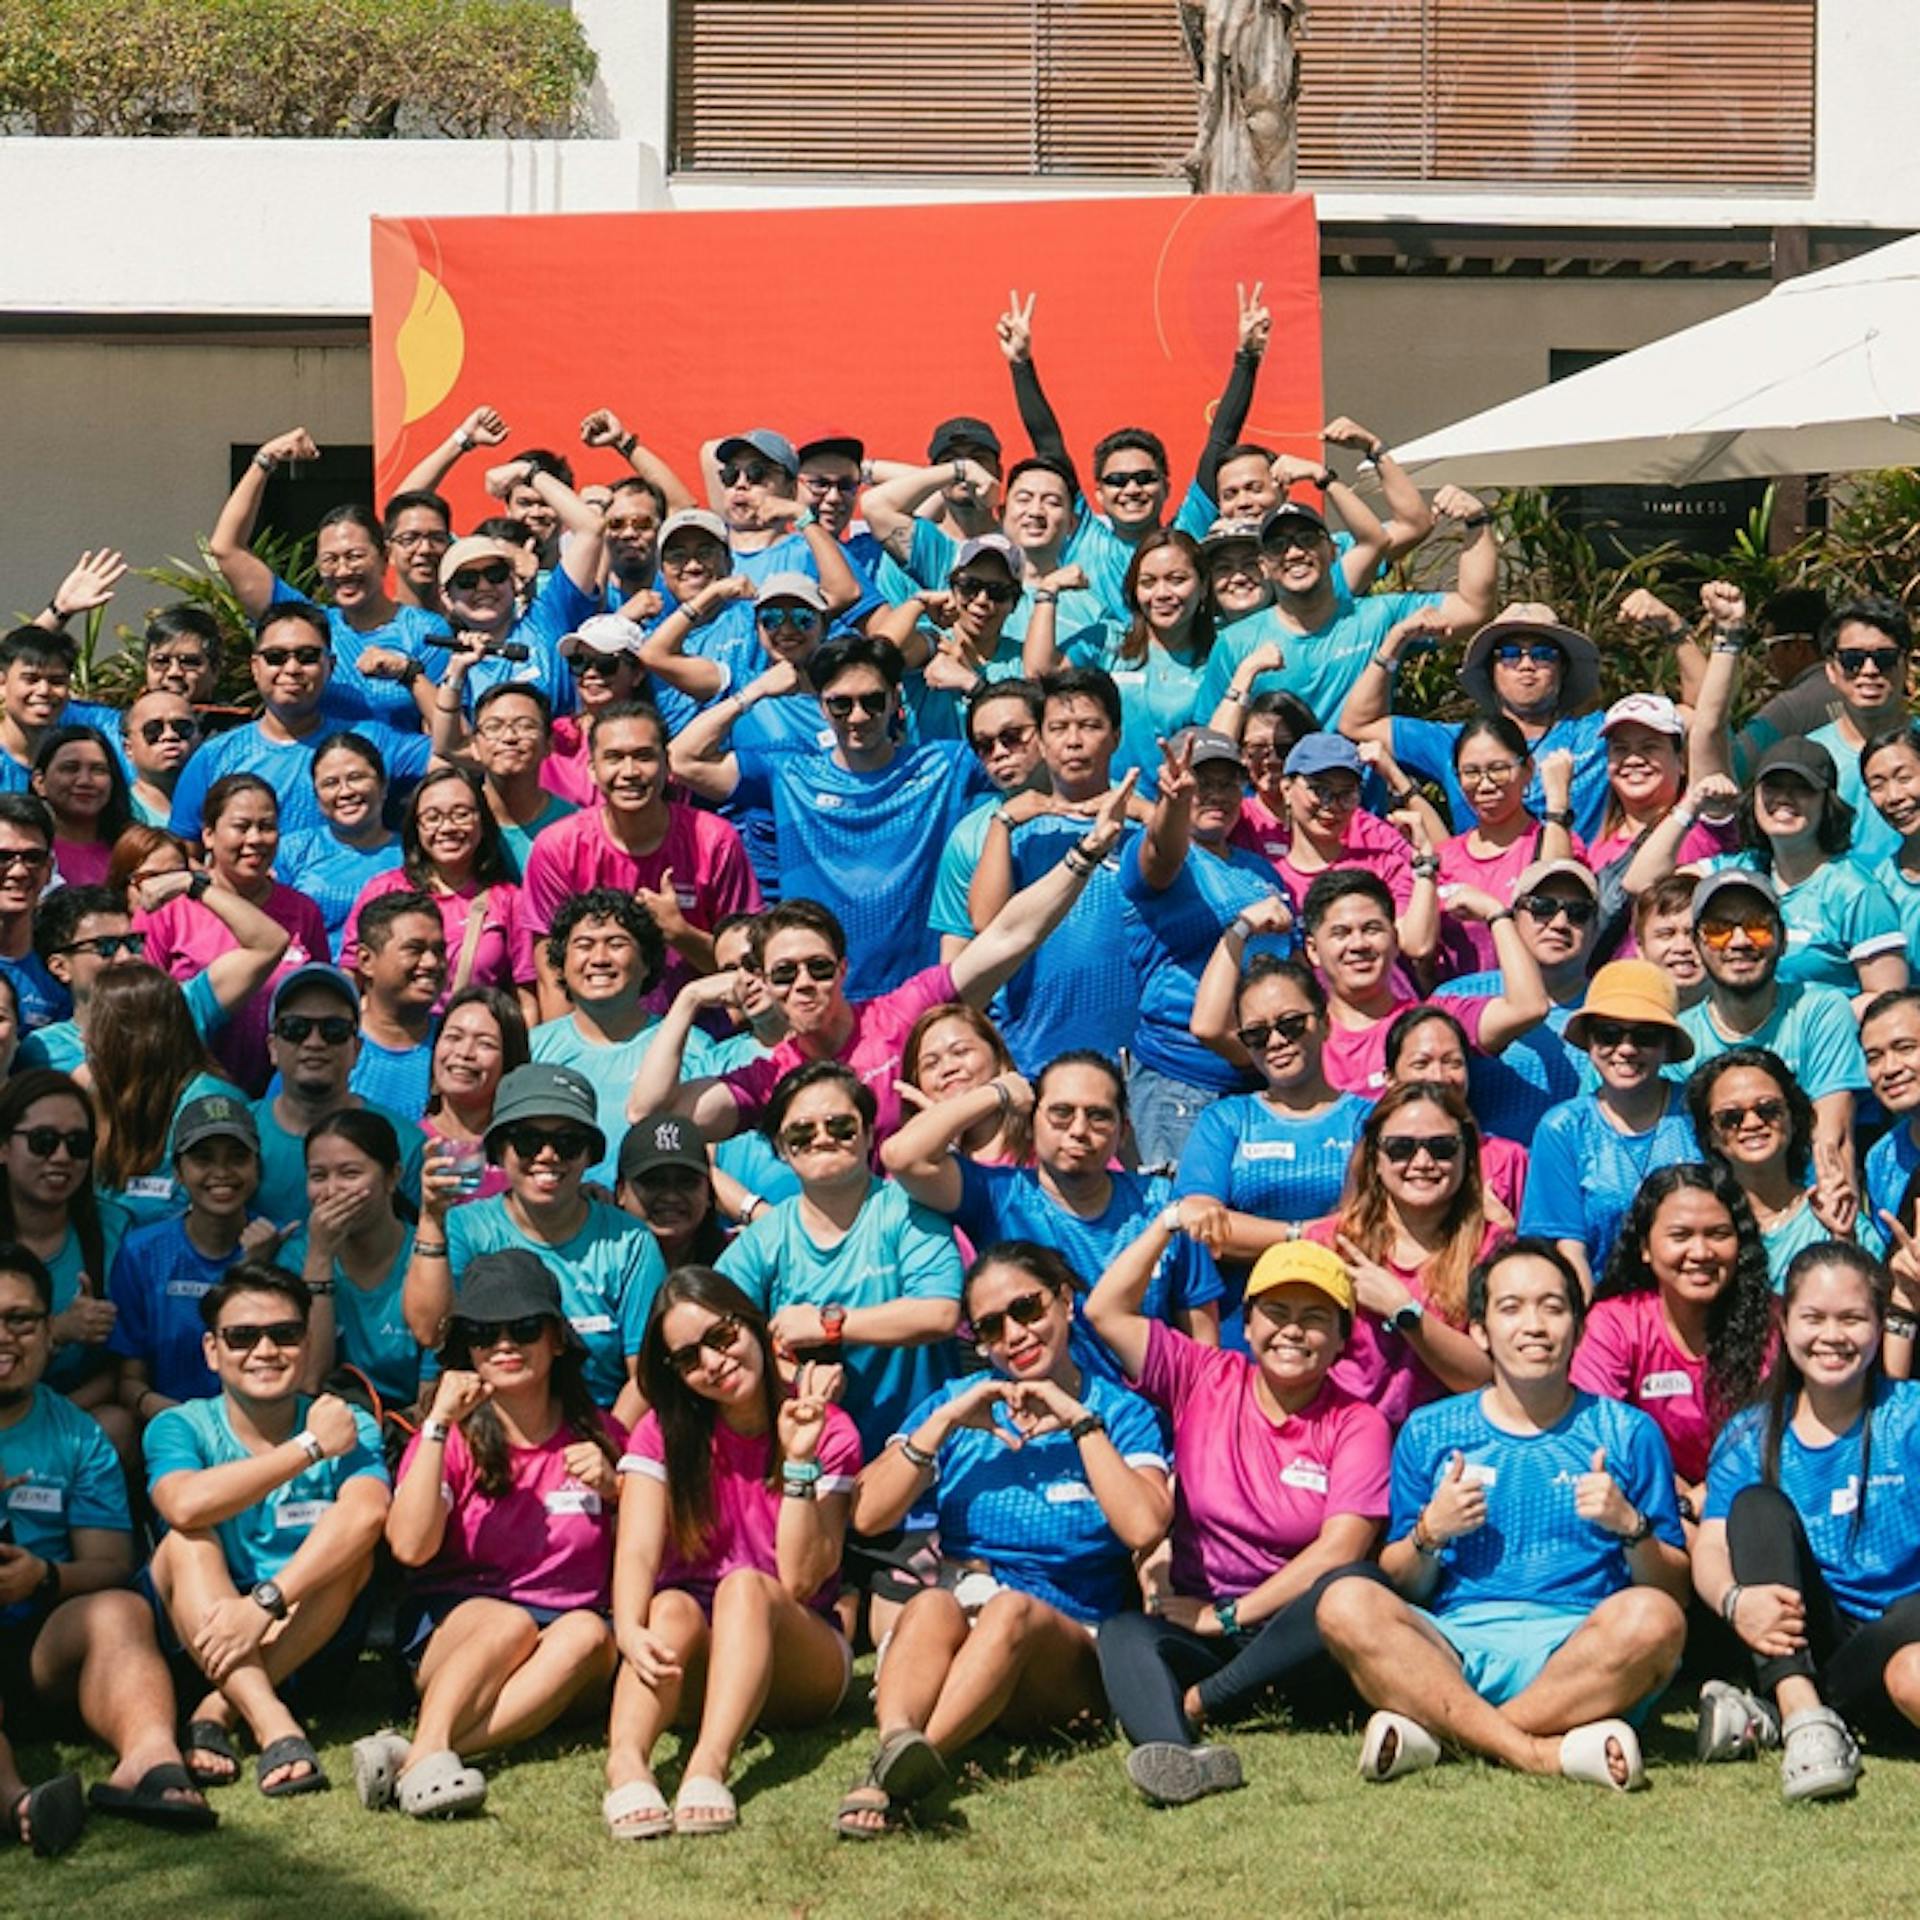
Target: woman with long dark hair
{"type": "Point", "coordinates": [733, 1511]}
{"type": "Point", "coordinates": [479, 1037]}
{"type": "Point", "coordinates": [953, 1050]}
{"type": "Point", "coordinates": [78, 775]}
{"type": "Point", "coordinates": [1808, 1547]}
{"type": "Point", "coordinates": [503, 1510]}
{"type": "Point", "coordinates": [1427, 1042]}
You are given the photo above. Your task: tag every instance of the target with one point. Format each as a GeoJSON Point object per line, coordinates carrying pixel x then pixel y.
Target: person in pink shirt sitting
{"type": "Point", "coordinates": [686, 866]}
{"type": "Point", "coordinates": [1281, 1486]}
{"type": "Point", "coordinates": [1429, 1043]}
{"type": "Point", "coordinates": [733, 1512]}
{"type": "Point", "coordinates": [504, 1510]}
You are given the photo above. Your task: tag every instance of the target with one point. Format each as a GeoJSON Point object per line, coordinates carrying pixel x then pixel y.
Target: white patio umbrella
{"type": "Point", "coordinates": [1822, 375]}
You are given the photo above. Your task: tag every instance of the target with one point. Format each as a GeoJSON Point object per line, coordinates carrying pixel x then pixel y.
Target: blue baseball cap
{"type": "Point", "coordinates": [763, 441]}
{"type": "Point", "coordinates": [317, 973]}
{"type": "Point", "coordinates": [1325, 753]}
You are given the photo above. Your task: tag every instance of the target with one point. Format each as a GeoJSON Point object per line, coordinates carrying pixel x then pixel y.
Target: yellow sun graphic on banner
{"type": "Point", "coordinates": [430, 346]}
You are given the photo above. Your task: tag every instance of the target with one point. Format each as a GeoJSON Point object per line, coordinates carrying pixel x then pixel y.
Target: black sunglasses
{"type": "Point", "coordinates": [1547, 907]}
{"type": "Point", "coordinates": [476, 1336]}
{"type": "Point", "coordinates": [1289, 1026]}
{"type": "Point", "coordinates": [798, 1135]}
{"type": "Point", "coordinates": [1613, 1033]}
{"type": "Point", "coordinates": [570, 1143]}
{"type": "Point", "coordinates": [718, 1339]}
{"type": "Point", "coordinates": [295, 1028]}
{"type": "Point", "coordinates": [495, 573]}
{"type": "Point", "coordinates": [1856, 660]}
{"type": "Point", "coordinates": [1130, 477]}
{"type": "Point", "coordinates": [154, 731]}
{"type": "Point", "coordinates": [1401, 1148]}
{"type": "Point", "coordinates": [998, 593]}
{"type": "Point", "coordinates": [818, 966]}
{"type": "Point", "coordinates": [44, 1142]}
{"type": "Point", "coordinates": [1025, 1310]}
{"type": "Point", "coordinates": [1007, 740]}
{"type": "Point", "coordinates": [108, 946]}
{"type": "Point", "coordinates": [746, 472]}
{"type": "Point", "coordinates": [283, 1334]}
{"type": "Point", "coordinates": [277, 657]}
{"type": "Point", "coordinates": [842, 706]}
{"type": "Point", "coordinates": [1769, 1112]}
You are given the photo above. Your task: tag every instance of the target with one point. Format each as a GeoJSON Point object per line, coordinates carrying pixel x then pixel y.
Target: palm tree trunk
{"type": "Point", "coordinates": [1246, 57]}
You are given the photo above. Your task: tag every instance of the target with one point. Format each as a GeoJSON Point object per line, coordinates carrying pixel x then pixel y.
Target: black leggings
{"type": "Point", "coordinates": [1844, 1656]}
{"type": "Point", "coordinates": [1147, 1664]}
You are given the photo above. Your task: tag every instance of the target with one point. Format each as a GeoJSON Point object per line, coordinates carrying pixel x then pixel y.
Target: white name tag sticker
{"type": "Point", "coordinates": [1845, 1499]}
{"type": "Point", "coordinates": [300, 1514]}
{"type": "Point", "coordinates": [150, 1186]}
{"type": "Point", "coordinates": [1130, 677]}
{"type": "Point", "coordinates": [1676, 1385]}
{"type": "Point", "coordinates": [1267, 1150]}
{"type": "Point", "coordinates": [29, 1498]}
{"type": "Point", "coordinates": [187, 1289]}
{"type": "Point", "coordinates": [1063, 1493]}
{"type": "Point", "coordinates": [586, 1323]}
{"type": "Point", "coordinates": [1304, 1473]}
{"type": "Point", "coordinates": [573, 1500]}
{"type": "Point", "coordinates": [828, 800]}
{"type": "Point", "coordinates": [1477, 1474]}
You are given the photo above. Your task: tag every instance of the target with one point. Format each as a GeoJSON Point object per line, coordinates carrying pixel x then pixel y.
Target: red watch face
{"type": "Point", "coordinates": [832, 1319]}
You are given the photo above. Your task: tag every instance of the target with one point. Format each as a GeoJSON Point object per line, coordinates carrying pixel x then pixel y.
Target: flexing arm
{"type": "Point", "coordinates": [249, 576]}
{"type": "Point", "coordinates": [602, 428]}
{"type": "Point", "coordinates": [1409, 518]}
{"type": "Point", "coordinates": [1368, 713]}
{"type": "Point", "coordinates": [920, 1154]}
{"type": "Point", "coordinates": [234, 977]}
{"type": "Point", "coordinates": [662, 651]}
{"type": "Point", "coordinates": [481, 428]}
{"type": "Point", "coordinates": [1470, 604]}
{"type": "Point", "coordinates": [580, 560]}
{"type": "Point", "coordinates": [892, 507]}
{"type": "Point", "coordinates": [1522, 1002]}
{"type": "Point", "coordinates": [1039, 650]}
{"type": "Point", "coordinates": [1212, 1021]}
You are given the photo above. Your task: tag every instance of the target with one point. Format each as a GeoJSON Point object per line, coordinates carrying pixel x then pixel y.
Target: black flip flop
{"type": "Point", "coordinates": [56, 1815]}
{"type": "Point", "coordinates": [289, 1751]}
{"type": "Point", "coordinates": [209, 1736]}
{"type": "Point", "coordinates": [148, 1802]}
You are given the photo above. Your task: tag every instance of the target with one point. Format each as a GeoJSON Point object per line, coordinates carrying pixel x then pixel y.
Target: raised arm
{"type": "Point", "coordinates": [89, 584]}
{"type": "Point", "coordinates": [1368, 713]}
{"type": "Point", "coordinates": [603, 428]}
{"type": "Point", "coordinates": [234, 977]}
{"type": "Point", "coordinates": [663, 652]}
{"type": "Point", "coordinates": [481, 428]}
{"type": "Point", "coordinates": [1236, 400]}
{"type": "Point", "coordinates": [230, 542]}
{"type": "Point", "coordinates": [892, 507]}
{"type": "Point", "coordinates": [1409, 518]}
{"type": "Point", "coordinates": [838, 581]}
{"type": "Point", "coordinates": [1470, 604]}
{"type": "Point", "coordinates": [1212, 1021]}
{"type": "Point", "coordinates": [1710, 737]}
{"type": "Point", "coordinates": [1230, 715]}
{"type": "Point", "coordinates": [1522, 1002]}
{"type": "Point", "coordinates": [580, 560]}
{"type": "Point", "coordinates": [1170, 826]}
{"type": "Point", "coordinates": [1039, 650]}
{"type": "Point", "coordinates": [697, 756]}
{"type": "Point", "coordinates": [1014, 330]}
{"type": "Point", "coordinates": [1113, 1308]}
{"type": "Point", "coordinates": [920, 1153]}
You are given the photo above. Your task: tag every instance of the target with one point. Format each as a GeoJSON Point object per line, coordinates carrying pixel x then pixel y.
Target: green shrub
{"type": "Point", "coordinates": [293, 69]}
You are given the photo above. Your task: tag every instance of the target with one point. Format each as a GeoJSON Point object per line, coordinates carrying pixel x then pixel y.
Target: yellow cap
{"type": "Point", "coordinates": [1305, 1263]}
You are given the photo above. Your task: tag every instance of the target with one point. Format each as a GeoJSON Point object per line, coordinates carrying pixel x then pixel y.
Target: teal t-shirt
{"type": "Point", "coordinates": [611, 1067]}
{"type": "Point", "coordinates": [1836, 917]}
{"type": "Point", "coordinates": [1811, 1028]}
{"type": "Point", "coordinates": [61, 1047]}
{"type": "Point", "coordinates": [369, 1329]}
{"type": "Point", "coordinates": [64, 1476]}
{"type": "Point", "coordinates": [1873, 839]}
{"type": "Point", "coordinates": [282, 1197]}
{"type": "Point", "coordinates": [518, 841]}
{"type": "Point", "coordinates": [71, 1365]}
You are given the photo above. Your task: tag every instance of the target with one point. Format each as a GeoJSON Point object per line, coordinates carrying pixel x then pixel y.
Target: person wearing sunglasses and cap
{"type": "Point", "coordinates": [545, 1133]}
{"type": "Point", "coordinates": [1741, 934]}
{"type": "Point", "coordinates": [503, 1515]}
{"type": "Point", "coordinates": [274, 1500]}
{"type": "Point", "coordinates": [1281, 1488]}
{"type": "Point", "coordinates": [1591, 1153]}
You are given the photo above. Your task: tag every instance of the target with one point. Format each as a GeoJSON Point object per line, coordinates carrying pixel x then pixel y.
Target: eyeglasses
{"type": "Point", "coordinates": [186, 662]}
{"type": "Point", "coordinates": [1496, 773]}
{"type": "Point", "coordinates": [22, 1321]}
{"type": "Point", "coordinates": [407, 542]}
{"type": "Point", "coordinates": [1549, 907]}
{"type": "Point", "coordinates": [1615, 1033]}
{"type": "Point", "coordinates": [1288, 1026]}
{"type": "Point", "coordinates": [848, 483]}
{"type": "Point", "coordinates": [279, 1333]}
{"type": "Point", "coordinates": [1511, 653]}
{"type": "Point", "coordinates": [32, 858]}
{"type": "Point", "coordinates": [570, 1143]}
{"type": "Point", "coordinates": [508, 729]}
{"type": "Point", "coordinates": [748, 473]}
{"type": "Point", "coordinates": [800, 619]}
{"type": "Point", "coordinates": [843, 706]}
{"type": "Point", "coordinates": [1007, 740]}
{"type": "Point", "coordinates": [1769, 1112]}
{"type": "Point", "coordinates": [1026, 1310]}
{"type": "Point", "coordinates": [44, 1142]}
{"type": "Point", "coordinates": [1118, 480]}
{"type": "Point", "coordinates": [1854, 661]}
{"type": "Point", "coordinates": [816, 966]}
{"type": "Point", "coordinates": [349, 562]}
{"type": "Point", "coordinates": [478, 1335]}
{"type": "Point", "coordinates": [718, 1340]}
{"type": "Point", "coordinates": [1403, 1148]}
{"type": "Point", "coordinates": [1060, 1115]}
{"type": "Point", "coordinates": [278, 657]}
{"type": "Point", "coordinates": [840, 1128]}
{"type": "Point", "coordinates": [974, 586]}
{"type": "Point", "coordinates": [108, 946]}
{"type": "Point", "coordinates": [1338, 794]}
{"type": "Point", "coordinates": [1718, 934]}
{"type": "Point", "coordinates": [297, 1028]}
{"type": "Point", "coordinates": [432, 819]}
{"type": "Point", "coordinates": [154, 731]}
{"type": "Point", "coordinates": [494, 573]}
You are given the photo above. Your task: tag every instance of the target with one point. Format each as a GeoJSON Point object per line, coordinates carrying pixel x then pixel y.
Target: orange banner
{"type": "Point", "coordinates": [878, 320]}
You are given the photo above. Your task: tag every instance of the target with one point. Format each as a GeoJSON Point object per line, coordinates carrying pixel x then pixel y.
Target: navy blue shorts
{"type": "Point", "coordinates": [422, 1614]}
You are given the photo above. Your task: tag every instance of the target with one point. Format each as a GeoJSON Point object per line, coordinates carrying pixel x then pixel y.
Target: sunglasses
{"type": "Point", "coordinates": [1401, 1148]}
{"type": "Point", "coordinates": [1510, 653]}
{"type": "Point", "coordinates": [108, 946]}
{"type": "Point", "coordinates": [840, 1128]}
{"type": "Point", "coordinates": [1549, 907]}
{"type": "Point", "coordinates": [44, 1142]}
{"type": "Point", "coordinates": [477, 1336]}
{"type": "Point", "coordinates": [570, 1143]}
{"type": "Point", "coordinates": [1027, 1310]}
{"type": "Point", "coordinates": [281, 1333]}
{"type": "Point", "coordinates": [843, 706]}
{"type": "Point", "coordinates": [777, 619]}
{"type": "Point", "coordinates": [996, 593]}
{"type": "Point", "coordinates": [154, 731]}
{"type": "Point", "coordinates": [1120, 479]}
{"type": "Point", "coordinates": [1007, 740]}
{"type": "Point", "coordinates": [1285, 539]}
{"type": "Point", "coordinates": [816, 966]}
{"type": "Point", "coordinates": [22, 1321]}
{"type": "Point", "coordinates": [32, 858]}
{"type": "Point", "coordinates": [748, 473]}
{"type": "Point", "coordinates": [1288, 1026]}
{"type": "Point", "coordinates": [496, 573]}
{"type": "Point", "coordinates": [1718, 934]}
{"type": "Point", "coordinates": [297, 1028]}
{"type": "Point", "coordinates": [1854, 661]}
{"type": "Point", "coordinates": [719, 1339]}
{"type": "Point", "coordinates": [277, 657]}
{"type": "Point", "coordinates": [1769, 1112]}
{"type": "Point", "coordinates": [1614, 1033]}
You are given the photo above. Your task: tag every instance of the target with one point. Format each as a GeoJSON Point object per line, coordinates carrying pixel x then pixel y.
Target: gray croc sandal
{"type": "Point", "coordinates": [440, 1785]}
{"type": "Point", "coordinates": [1820, 1759]}
{"type": "Point", "coordinates": [1169, 1775]}
{"type": "Point", "coordinates": [1734, 1724]}
{"type": "Point", "coordinates": [377, 1761]}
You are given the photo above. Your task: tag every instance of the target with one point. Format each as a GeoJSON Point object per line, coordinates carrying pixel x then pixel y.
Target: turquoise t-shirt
{"type": "Point", "coordinates": [1904, 894]}
{"type": "Point", "coordinates": [64, 1475]}
{"type": "Point", "coordinates": [959, 861]}
{"type": "Point", "coordinates": [518, 841]}
{"type": "Point", "coordinates": [369, 1329]}
{"type": "Point", "coordinates": [282, 1195]}
{"type": "Point", "coordinates": [608, 1274]}
{"type": "Point", "coordinates": [1836, 917]}
{"type": "Point", "coordinates": [71, 1365]}
{"type": "Point", "coordinates": [61, 1047]}
{"type": "Point", "coordinates": [1105, 555]}
{"type": "Point", "coordinates": [261, 1539]}
{"type": "Point", "coordinates": [611, 1067]}
{"type": "Point", "coordinates": [1159, 694]}
{"type": "Point", "coordinates": [1873, 839]}
{"type": "Point", "coordinates": [1811, 1028]}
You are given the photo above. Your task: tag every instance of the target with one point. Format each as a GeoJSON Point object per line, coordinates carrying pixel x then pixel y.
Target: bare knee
{"type": "Point", "coordinates": [746, 1590]}
{"type": "Point", "coordinates": [506, 1630]}
{"type": "Point", "coordinates": [1012, 1617]}
{"type": "Point", "coordinates": [581, 1639]}
{"type": "Point", "coordinates": [1902, 1681]}
{"type": "Point", "coordinates": [1644, 1622]}
{"type": "Point", "coordinates": [1351, 1612]}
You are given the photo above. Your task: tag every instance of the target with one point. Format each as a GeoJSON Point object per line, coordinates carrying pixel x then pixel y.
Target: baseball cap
{"type": "Point", "coordinates": [1734, 880]}
{"type": "Point", "coordinates": [215, 1116]}
{"type": "Point", "coordinates": [662, 1140]}
{"type": "Point", "coordinates": [962, 430]}
{"type": "Point", "coordinates": [763, 441]}
{"type": "Point", "coordinates": [607, 634]}
{"type": "Point", "coordinates": [791, 586]}
{"type": "Point", "coordinates": [542, 1091]}
{"type": "Point", "coordinates": [1544, 870]}
{"type": "Point", "coordinates": [1231, 533]}
{"type": "Point", "coordinates": [991, 546]}
{"type": "Point", "coordinates": [1325, 753]}
{"type": "Point", "coordinates": [1652, 710]}
{"type": "Point", "coordinates": [1291, 510]}
{"type": "Point", "coordinates": [831, 440]}
{"type": "Point", "coordinates": [1302, 1263]}
{"type": "Point", "coordinates": [316, 973]}
{"type": "Point", "coordinates": [700, 519]}
{"type": "Point", "coordinates": [510, 1283]}
{"type": "Point", "coordinates": [469, 548]}
{"type": "Point", "coordinates": [1209, 744]}
{"type": "Point", "coordinates": [1797, 755]}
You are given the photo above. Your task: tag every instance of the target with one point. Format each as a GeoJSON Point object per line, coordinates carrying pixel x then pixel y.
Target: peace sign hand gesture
{"type": "Point", "coordinates": [1256, 323]}
{"type": "Point", "coordinates": [1176, 774]}
{"type": "Point", "coordinates": [1014, 329]}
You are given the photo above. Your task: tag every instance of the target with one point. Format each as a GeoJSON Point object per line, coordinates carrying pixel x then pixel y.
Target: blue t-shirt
{"type": "Point", "coordinates": [611, 1067]}
{"type": "Point", "coordinates": [557, 610]}
{"type": "Point", "coordinates": [1584, 1172]}
{"type": "Point", "coordinates": [396, 1080]}
{"type": "Point", "coordinates": [369, 1328]}
{"type": "Point", "coordinates": [517, 842]}
{"type": "Point", "coordinates": [1030, 1513]}
{"type": "Point", "coordinates": [959, 861]}
{"type": "Point", "coordinates": [788, 723]}
{"type": "Point", "coordinates": [1534, 1548]}
{"type": "Point", "coordinates": [1869, 1558]}
{"type": "Point", "coordinates": [608, 1274]}
{"type": "Point", "coordinates": [866, 845]}
{"type": "Point", "coordinates": [282, 1194]}
{"type": "Point", "coordinates": [159, 1278]}
{"type": "Point", "coordinates": [1510, 1091]}
{"type": "Point", "coordinates": [65, 1476]}
{"type": "Point", "coordinates": [287, 767]}
{"type": "Point", "coordinates": [1171, 935]}
{"type": "Point", "coordinates": [1811, 1028]}
{"type": "Point", "coordinates": [260, 1539]}
{"type": "Point", "coordinates": [331, 871]}
{"type": "Point", "coordinates": [1258, 1158]}
{"type": "Point", "coordinates": [353, 696]}
{"type": "Point", "coordinates": [1888, 1167]}
{"type": "Point", "coordinates": [1873, 839]}
{"type": "Point", "coordinates": [1425, 748]}
{"type": "Point", "coordinates": [896, 1250]}
{"type": "Point", "coordinates": [1159, 694]}
{"type": "Point", "coordinates": [1835, 917]}
{"type": "Point", "coordinates": [1078, 613]}
{"type": "Point", "coordinates": [41, 997]}
{"type": "Point", "coordinates": [1009, 1203]}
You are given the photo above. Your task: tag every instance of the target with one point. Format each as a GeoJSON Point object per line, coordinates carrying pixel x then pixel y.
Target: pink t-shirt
{"type": "Point", "coordinates": [1701, 841]}
{"type": "Point", "coordinates": [1628, 1352]}
{"type": "Point", "coordinates": [82, 863]}
{"type": "Point", "coordinates": [546, 1542]}
{"type": "Point", "coordinates": [1369, 844]}
{"type": "Point", "coordinates": [568, 768]}
{"type": "Point", "coordinates": [1355, 1058]}
{"type": "Point", "coordinates": [873, 1050]}
{"type": "Point", "coordinates": [1503, 1171]}
{"type": "Point", "coordinates": [1466, 946]}
{"type": "Point", "coordinates": [746, 1511]}
{"type": "Point", "coordinates": [1250, 1495]}
{"type": "Point", "coordinates": [711, 877]}
{"type": "Point", "coordinates": [502, 958]}
{"type": "Point", "coordinates": [184, 937]}
{"type": "Point", "coordinates": [1382, 1368]}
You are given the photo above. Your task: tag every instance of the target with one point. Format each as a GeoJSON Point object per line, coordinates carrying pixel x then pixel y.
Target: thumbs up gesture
{"type": "Point", "coordinates": [1597, 1497]}
{"type": "Point", "coordinates": [1458, 1506]}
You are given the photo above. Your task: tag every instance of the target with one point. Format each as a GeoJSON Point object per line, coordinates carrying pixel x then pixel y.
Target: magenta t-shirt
{"type": "Point", "coordinates": [1466, 946]}
{"type": "Point", "coordinates": [1370, 844]}
{"type": "Point", "coordinates": [546, 1542]}
{"type": "Point", "coordinates": [1355, 1058]}
{"type": "Point", "coordinates": [746, 1511]}
{"type": "Point", "coordinates": [1503, 1171]}
{"type": "Point", "coordinates": [184, 937]}
{"type": "Point", "coordinates": [1701, 841]}
{"type": "Point", "coordinates": [503, 956]}
{"type": "Point", "coordinates": [1251, 1494]}
{"type": "Point", "coordinates": [873, 1050]}
{"type": "Point", "coordinates": [82, 863]}
{"type": "Point", "coordinates": [1628, 1352]}
{"type": "Point", "coordinates": [711, 877]}
{"type": "Point", "coordinates": [568, 768]}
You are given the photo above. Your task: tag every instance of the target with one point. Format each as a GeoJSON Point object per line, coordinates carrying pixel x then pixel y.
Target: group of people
{"type": "Point", "coordinates": [891, 1052]}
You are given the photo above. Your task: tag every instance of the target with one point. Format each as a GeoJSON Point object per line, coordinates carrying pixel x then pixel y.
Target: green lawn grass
{"type": "Point", "coordinates": [1042, 1834]}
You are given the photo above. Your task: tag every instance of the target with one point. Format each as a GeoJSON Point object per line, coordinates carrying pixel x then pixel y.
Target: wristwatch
{"type": "Point", "coordinates": [1641, 1528]}
{"type": "Point", "coordinates": [267, 1596]}
{"type": "Point", "coordinates": [1403, 1319]}
{"type": "Point", "coordinates": [46, 1590]}
{"type": "Point", "coordinates": [832, 1319]}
